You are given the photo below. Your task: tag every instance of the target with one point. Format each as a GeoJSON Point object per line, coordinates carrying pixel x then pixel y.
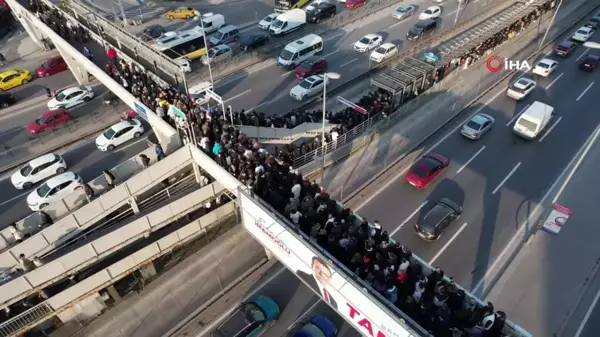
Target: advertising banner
{"type": "Point", "coordinates": [334, 287]}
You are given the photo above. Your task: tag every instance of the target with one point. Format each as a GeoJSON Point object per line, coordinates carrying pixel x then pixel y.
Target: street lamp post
{"type": "Point", "coordinates": [326, 76]}
{"type": "Point", "coordinates": [199, 16]}
{"type": "Point", "coordinates": [549, 26]}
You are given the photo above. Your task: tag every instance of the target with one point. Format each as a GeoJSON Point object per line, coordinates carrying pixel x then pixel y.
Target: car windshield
{"type": "Point", "coordinates": [108, 134]}
{"type": "Point", "coordinates": [305, 84]}
{"type": "Point", "coordinates": [473, 125]}
{"type": "Point", "coordinates": [253, 313]}
{"type": "Point", "coordinates": [312, 331]}
{"type": "Point", "coordinates": [420, 171]}
{"type": "Point", "coordinates": [402, 10]}
{"type": "Point", "coordinates": [527, 124]}
{"type": "Point", "coordinates": [428, 11]}
{"type": "Point", "coordinates": [25, 170]}
{"type": "Point", "coordinates": [277, 23]}
{"type": "Point", "coordinates": [562, 47]}
{"type": "Point", "coordinates": [522, 83]}
{"type": "Point", "coordinates": [416, 30]}
{"type": "Point", "coordinates": [211, 53]}
{"type": "Point", "coordinates": [286, 55]}
{"type": "Point", "coordinates": [40, 121]}
{"type": "Point", "coordinates": [381, 50]}
{"type": "Point", "coordinates": [46, 65]}
{"type": "Point", "coordinates": [365, 40]}
{"type": "Point", "coordinates": [218, 35]}
{"type": "Point", "coordinates": [61, 96]}
{"type": "Point", "coordinates": [427, 227]}
{"type": "Point", "coordinates": [43, 190]}
{"type": "Point", "coordinates": [543, 65]}
{"type": "Point", "coordinates": [308, 64]}
{"type": "Point", "coordinates": [269, 18]}
{"type": "Point", "coordinates": [581, 31]}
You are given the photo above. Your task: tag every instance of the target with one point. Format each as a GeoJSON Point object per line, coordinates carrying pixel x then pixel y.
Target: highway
{"type": "Point", "coordinates": [297, 304]}
{"type": "Point", "coordinates": [272, 97]}
{"type": "Point", "coordinates": [498, 179]}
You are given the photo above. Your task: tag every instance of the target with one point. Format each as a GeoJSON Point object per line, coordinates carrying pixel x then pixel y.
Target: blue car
{"type": "Point", "coordinates": [318, 326]}
{"type": "Point", "coordinates": [251, 319]}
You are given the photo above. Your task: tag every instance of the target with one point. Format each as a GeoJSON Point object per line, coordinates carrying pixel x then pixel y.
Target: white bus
{"type": "Point", "coordinates": [295, 52]}
{"type": "Point", "coordinates": [187, 44]}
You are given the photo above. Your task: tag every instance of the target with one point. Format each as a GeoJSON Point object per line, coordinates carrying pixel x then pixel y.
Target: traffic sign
{"type": "Point", "coordinates": [141, 111]}
{"type": "Point", "coordinates": [177, 112]}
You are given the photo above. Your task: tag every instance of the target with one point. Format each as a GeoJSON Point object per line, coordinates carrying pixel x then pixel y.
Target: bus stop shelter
{"type": "Point", "coordinates": [407, 76]}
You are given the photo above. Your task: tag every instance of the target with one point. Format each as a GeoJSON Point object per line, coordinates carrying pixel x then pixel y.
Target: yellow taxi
{"type": "Point", "coordinates": [181, 13]}
{"type": "Point", "coordinates": [14, 78]}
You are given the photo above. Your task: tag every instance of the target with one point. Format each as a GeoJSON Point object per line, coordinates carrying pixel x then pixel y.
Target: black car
{"type": "Point", "coordinates": [593, 24]}
{"type": "Point", "coordinates": [253, 41]}
{"type": "Point", "coordinates": [590, 63]}
{"type": "Point", "coordinates": [421, 28]}
{"type": "Point", "coordinates": [565, 48]}
{"type": "Point", "coordinates": [443, 213]}
{"type": "Point", "coordinates": [152, 32]}
{"type": "Point", "coordinates": [595, 19]}
{"type": "Point", "coordinates": [6, 100]}
{"type": "Point", "coordinates": [322, 11]}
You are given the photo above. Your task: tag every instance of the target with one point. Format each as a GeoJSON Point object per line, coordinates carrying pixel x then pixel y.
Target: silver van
{"type": "Point", "coordinates": [225, 35]}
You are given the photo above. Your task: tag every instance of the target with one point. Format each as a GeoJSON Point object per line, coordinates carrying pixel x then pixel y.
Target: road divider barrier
{"type": "Point", "coordinates": [267, 134]}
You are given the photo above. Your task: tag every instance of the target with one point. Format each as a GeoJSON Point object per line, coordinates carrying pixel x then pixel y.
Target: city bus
{"type": "Point", "coordinates": [285, 5]}
{"type": "Point", "coordinates": [186, 44]}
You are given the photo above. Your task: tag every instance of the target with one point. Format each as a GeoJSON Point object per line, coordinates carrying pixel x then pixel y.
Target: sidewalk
{"type": "Point", "coordinates": [542, 287]}
{"type": "Point", "coordinates": [389, 150]}
{"type": "Point", "coordinates": [180, 291]}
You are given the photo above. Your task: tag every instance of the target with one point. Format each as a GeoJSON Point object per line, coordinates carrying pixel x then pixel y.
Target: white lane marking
{"type": "Point", "coordinates": [333, 52]}
{"type": "Point", "coordinates": [517, 115]}
{"type": "Point", "coordinates": [454, 11]}
{"type": "Point", "coordinates": [583, 93]}
{"type": "Point", "coordinates": [302, 316]}
{"type": "Point", "coordinates": [554, 81]}
{"type": "Point", "coordinates": [550, 129]}
{"type": "Point", "coordinates": [237, 96]}
{"type": "Point", "coordinates": [588, 314]}
{"type": "Point", "coordinates": [470, 160]}
{"type": "Point", "coordinates": [506, 178]}
{"type": "Point", "coordinates": [347, 63]}
{"type": "Point", "coordinates": [448, 244]}
{"type": "Point", "coordinates": [401, 174]}
{"type": "Point", "coordinates": [582, 55]}
{"type": "Point", "coordinates": [121, 148]}
{"type": "Point", "coordinates": [13, 198]}
{"type": "Point", "coordinates": [396, 24]}
{"type": "Point", "coordinates": [409, 217]}
{"type": "Point", "coordinates": [287, 73]}
{"type": "Point", "coordinates": [576, 161]}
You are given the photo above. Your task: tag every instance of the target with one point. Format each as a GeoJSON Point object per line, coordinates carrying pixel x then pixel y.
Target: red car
{"type": "Point", "coordinates": [48, 120]}
{"type": "Point", "coordinates": [52, 66]}
{"type": "Point", "coordinates": [426, 170]}
{"type": "Point", "coordinates": [312, 65]}
{"type": "Point", "coordinates": [355, 3]}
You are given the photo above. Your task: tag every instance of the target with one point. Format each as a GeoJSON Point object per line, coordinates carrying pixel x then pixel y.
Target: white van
{"type": "Point", "coordinates": [212, 22]}
{"type": "Point", "coordinates": [296, 52]}
{"type": "Point", "coordinates": [534, 120]}
{"type": "Point", "coordinates": [287, 22]}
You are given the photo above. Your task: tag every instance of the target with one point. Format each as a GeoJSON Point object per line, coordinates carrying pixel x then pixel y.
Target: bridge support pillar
{"type": "Point", "coordinates": [78, 70]}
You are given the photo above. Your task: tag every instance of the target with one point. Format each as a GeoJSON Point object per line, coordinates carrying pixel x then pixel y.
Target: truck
{"type": "Point", "coordinates": [288, 22]}
{"type": "Point", "coordinates": [285, 5]}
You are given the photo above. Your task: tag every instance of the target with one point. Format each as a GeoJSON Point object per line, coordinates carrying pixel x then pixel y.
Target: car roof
{"type": "Point", "coordinates": [592, 57]}
{"type": "Point", "coordinates": [313, 78]}
{"type": "Point", "coordinates": [120, 126]}
{"type": "Point", "coordinates": [428, 162]}
{"type": "Point", "coordinates": [522, 82]}
{"type": "Point", "coordinates": [432, 7]}
{"type": "Point", "coordinates": [567, 43]}
{"type": "Point", "coordinates": [72, 89]}
{"type": "Point", "coordinates": [372, 36]}
{"type": "Point", "coordinates": [436, 214]}
{"type": "Point", "coordinates": [547, 61]}
{"type": "Point", "coordinates": [222, 46]}
{"type": "Point", "coordinates": [584, 28]}
{"type": "Point", "coordinates": [42, 160]}
{"type": "Point", "coordinates": [387, 45]}
{"type": "Point", "coordinates": [8, 72]}
{"type": "Point", "coordinates": [480, 119]}
{"type": "Point", "coordinates": [61, 178]}
{"type": "Point", "coordinates": [405, 7]}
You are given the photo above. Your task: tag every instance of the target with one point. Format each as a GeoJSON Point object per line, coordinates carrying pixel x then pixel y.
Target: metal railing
{"type": "Point", "coordinates": [28, 318]}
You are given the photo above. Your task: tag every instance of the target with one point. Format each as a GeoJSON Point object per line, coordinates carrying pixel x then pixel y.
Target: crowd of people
{"type": "Point", "coordinates": [434, 302]}
{"type": "Point", "coordinates": [486, 47]}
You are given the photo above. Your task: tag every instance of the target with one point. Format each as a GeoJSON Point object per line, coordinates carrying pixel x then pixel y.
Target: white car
{"type": "Point", "coordinates": [216, 54]}
{"type": "Point", "coordinates": [119, 134]}
{"type": "Point", "coordinates": [583, 34]}
{"type": "Point", "coordinates": [37, 170]}
{"type": "Point", "coordinates": [368, 42]}
{"type": "Point", "coordinates": [477, 126]}
{"type": "Point", "coordinates": [265, 23]}
{"type": "Point", "coordinates": [432, 12]}
{"type": "Point", "coordinates": [383, 52]}
{"type": "Point", "coordinates": [308, 87]}
{"type": "Point", "coordinates": [404, 12]}
{"type": "Point", "coordinates": [521, 88]}
{"type": "Point", "coordinates": [545, 67]}
{"type": "Point", "coordinates": [54, 189]}
{"type": "Point", "coordinates": [313, 5]}
{"type": "Point", "coordinates": [71, 97]}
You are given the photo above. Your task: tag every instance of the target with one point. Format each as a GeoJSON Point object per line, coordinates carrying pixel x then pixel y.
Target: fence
{"type": "Point", "coordinates": [284, 135]}
{"type": "Point", "coordinates": [27, 318]}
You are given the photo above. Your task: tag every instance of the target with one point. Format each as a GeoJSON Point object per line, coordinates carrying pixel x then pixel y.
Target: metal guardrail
{"type": "Point", "coordinates": [29, 317]}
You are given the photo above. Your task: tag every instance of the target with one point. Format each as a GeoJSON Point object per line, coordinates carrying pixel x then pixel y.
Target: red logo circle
{"type": "Point", "coordinates": [494, 63]}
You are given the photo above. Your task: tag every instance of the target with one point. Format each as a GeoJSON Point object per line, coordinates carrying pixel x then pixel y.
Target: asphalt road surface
{"type": "Point", "coordinates": [252, 91]}
{"type": "Point", "coordinates": [297, 303]}
{"type": "Point", "coordinates": [84, 159]}
{"type": "Point", "coordinates": [498, 179]}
